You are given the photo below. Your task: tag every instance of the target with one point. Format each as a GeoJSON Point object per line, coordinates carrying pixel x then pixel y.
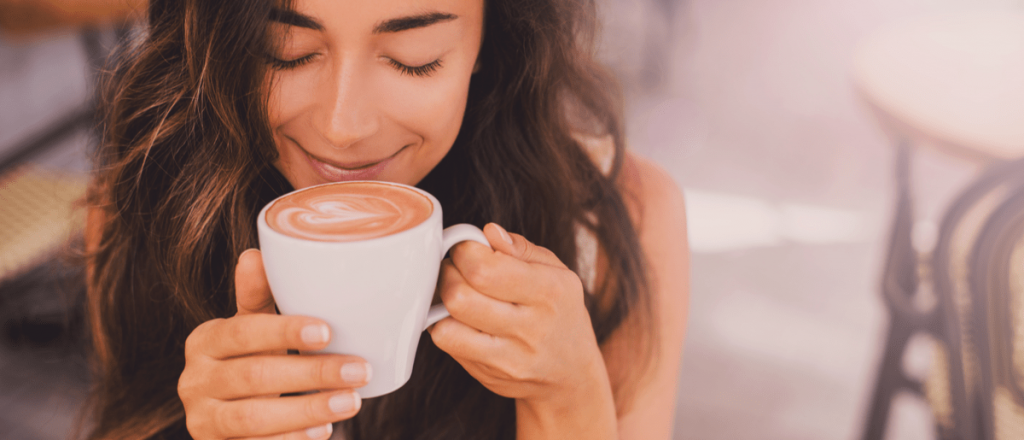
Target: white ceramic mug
{"type": "Point", "coordinates": [375, 294]}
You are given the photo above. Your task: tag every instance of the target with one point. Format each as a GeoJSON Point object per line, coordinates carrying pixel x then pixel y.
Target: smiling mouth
{"type": "Point", "coordinates": [352, 167]}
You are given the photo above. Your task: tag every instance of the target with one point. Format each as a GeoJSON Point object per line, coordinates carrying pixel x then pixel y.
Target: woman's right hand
{"type": "Point", "coordinates": [237, 368]}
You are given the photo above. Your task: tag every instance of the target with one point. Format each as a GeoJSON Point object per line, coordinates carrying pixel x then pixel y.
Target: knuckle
{"type": "Point", "coordinates": [251, 377]}
{"type": "Point", "coordinates": [200, 423]}
{"type": "Point", "coordinates": [454, 298]}
{"type": "Point", "coordinates": [193, 343]}
{"type": "Point", "coordinates": [245, 418]}
{"type": "Point", "coordinates": [185, 387]}
{"type": "Point", "coordinates": [571, 283]}
{"type": "Point", "coordinates": [457, 252]}
{"type": "Point", "coordinates": [440, 330]}
{"type": "Point", "coordinates": [513, 372]}
{"type": "Point", "coordinates": [523, 332]}
{"type": "Point", "coordinates": [190, 345]}
{"type": "Point", "coordinates": [522, 371]}
{"type": "Point", "coordinates": [448, 275]}
{"type": "Point", "coordinates": [463, 255]}
{"type": "Point", "coordinates": [193, 381]}
{"type": "Point", "coordinates": [530, 252]}
{"type": "Point", "coordinates": [523, 374]}
{"type": "Point", "coordinates": [326, 371]}
{"type": "Point", "coordinates": [479, 274]}
{"type": "Point", "coordinates": [236, 335]}
{"type": "Point", "coordinates": [440, 334]}
{"type": "Point", "coordinates": [316, 410]}
{"type": "Point", "coordinates": [259, 304]}
{"type": "Point", "coordinates": [195, 425]}
{"type": "Point", "coordinates": [560, 285]}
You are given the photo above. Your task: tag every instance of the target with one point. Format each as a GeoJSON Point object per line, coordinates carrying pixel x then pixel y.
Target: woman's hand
{"type": "Point", "coordinates": [237, 368]}
{"type": "Point", "coordinates": [519, 326]}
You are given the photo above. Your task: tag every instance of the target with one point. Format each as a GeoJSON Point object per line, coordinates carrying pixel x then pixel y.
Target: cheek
{"type": "Point", "coordinates": [289, 94]}
{"type": "Point", "coordinates": [433, 113]}
{"type": "Point", "coordinates": [433, 109]}
{"type": "Point", "coordinates": [286, 99]}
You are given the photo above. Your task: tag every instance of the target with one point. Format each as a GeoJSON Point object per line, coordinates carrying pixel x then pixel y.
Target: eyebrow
{"type": "Point", "coordinates": [412, 22]}
{"type": "Point", "coordinates": [393, 25]}
{"type": "Point", "coordinates": [293, 18]}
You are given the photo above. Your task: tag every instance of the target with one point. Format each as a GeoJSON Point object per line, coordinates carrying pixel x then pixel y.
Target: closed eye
{"type": "Point", "coordinates": [280, 64]}
{"type": "Point", "coordinates": [418, 71]}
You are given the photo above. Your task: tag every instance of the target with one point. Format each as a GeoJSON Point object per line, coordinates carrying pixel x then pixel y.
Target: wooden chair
{"type": "Point", "coordinates": [39, 219]}
{"type": "Point", "coordinates": [955, 83]}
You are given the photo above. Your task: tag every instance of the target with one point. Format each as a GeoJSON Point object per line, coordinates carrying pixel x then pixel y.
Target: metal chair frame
{"type": "Point", "coordinates": [972, 415]}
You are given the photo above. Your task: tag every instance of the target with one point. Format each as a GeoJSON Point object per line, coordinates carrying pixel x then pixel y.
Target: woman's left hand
{"type": "Point", "coordinates": [518, 321]}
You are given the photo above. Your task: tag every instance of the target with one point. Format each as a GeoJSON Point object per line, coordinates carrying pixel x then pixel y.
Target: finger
{"type": "Point", "coordinates": [258, 333]}
{"type": "Point", "coordinates": [475, 309]}
{"type": "Point", "coordinates": [250, 376]}
{"type": "Point", "coordinates": [519, 247]}
{"type": "Point", "coordinates": [506, 278]}
{"type": "Point", "coordinates": [276, 416]}
{"type": "Point", "coordinates": [314, 433]}
{"type": "Point", "coordinates": [252, 291]}
{"type": "Point", "coordinates": [465, 343]}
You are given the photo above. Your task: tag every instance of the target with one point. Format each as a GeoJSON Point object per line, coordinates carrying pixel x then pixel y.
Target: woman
{"type": "Point", "coordinates": [490, 107]}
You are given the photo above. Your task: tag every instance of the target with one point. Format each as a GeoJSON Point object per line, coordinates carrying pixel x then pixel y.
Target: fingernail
{"type": "Point", "coordinates": [345, 402]}
{"type": "Point", "coordinates": [317, 432]}
{"type": "Point", "coordinates": [356, 372]}
{"type": "Point", "coordinates": [315, 333]}
{"type": "Point", "coordinates": [504, 235]}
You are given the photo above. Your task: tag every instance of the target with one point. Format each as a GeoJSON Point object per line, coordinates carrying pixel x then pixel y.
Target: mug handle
{"type": "Point", "coordinates": [452, 236]}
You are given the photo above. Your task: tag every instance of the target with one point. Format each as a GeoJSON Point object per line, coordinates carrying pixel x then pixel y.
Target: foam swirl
{"type": "Point", "coordinates": [348, 212]}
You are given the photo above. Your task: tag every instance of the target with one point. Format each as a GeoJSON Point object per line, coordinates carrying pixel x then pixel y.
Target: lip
{"type": "Point", "coordinates": [335, 173]}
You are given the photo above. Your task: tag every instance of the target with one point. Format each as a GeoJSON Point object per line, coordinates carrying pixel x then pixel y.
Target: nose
{"type": "Point", "coordinates": [349, 115]}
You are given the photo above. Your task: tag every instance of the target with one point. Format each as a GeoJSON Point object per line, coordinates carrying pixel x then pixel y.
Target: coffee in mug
{"type": "Point", "coordinates": [350, 212]}
{"type": "Point", "coordinates": [364, 257]}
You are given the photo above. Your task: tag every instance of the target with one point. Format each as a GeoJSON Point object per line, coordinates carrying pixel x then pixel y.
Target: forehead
{"type": "Point", "coordinates": [366, 15]}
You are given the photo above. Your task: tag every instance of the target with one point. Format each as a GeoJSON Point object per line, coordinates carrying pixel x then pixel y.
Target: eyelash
{"type": "Point", "coordinates": [417, 71]}
{"type": "Point", "coordinates": [292, 64]}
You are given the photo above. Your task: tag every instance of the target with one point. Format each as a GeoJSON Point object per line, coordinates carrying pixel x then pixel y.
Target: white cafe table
{"type": "Point", "coordinates": [953, 83]}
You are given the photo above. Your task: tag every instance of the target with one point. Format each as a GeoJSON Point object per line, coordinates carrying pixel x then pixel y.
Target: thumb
{"type": "Point", "coordinates": [252, 292]}
{"type": "Point", "coordinates": [519, 247]}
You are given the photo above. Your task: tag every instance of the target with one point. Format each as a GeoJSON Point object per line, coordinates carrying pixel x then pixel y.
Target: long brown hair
{"type": "Point", "coordinates": [186, 164]}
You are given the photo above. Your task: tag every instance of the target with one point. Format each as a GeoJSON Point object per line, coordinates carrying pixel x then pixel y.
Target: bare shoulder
{"type": "Point", "coordinates": [658, 209]}
{"type": "Point", "coordinates": [654, 199]}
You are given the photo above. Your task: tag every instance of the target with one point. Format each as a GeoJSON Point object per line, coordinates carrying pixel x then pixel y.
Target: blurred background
{"type": "Point", "coordinates": [790, 124]}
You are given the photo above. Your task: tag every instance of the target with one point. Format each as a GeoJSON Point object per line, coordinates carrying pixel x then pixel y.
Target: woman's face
{"type": "Point", "coordinates": [370, 89]}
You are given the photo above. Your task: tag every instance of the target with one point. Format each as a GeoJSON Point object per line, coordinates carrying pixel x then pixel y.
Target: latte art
{"type": "Point", "coordinates": [326, 218]}
{"type": "Point", "coordinates": [348, 212]}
